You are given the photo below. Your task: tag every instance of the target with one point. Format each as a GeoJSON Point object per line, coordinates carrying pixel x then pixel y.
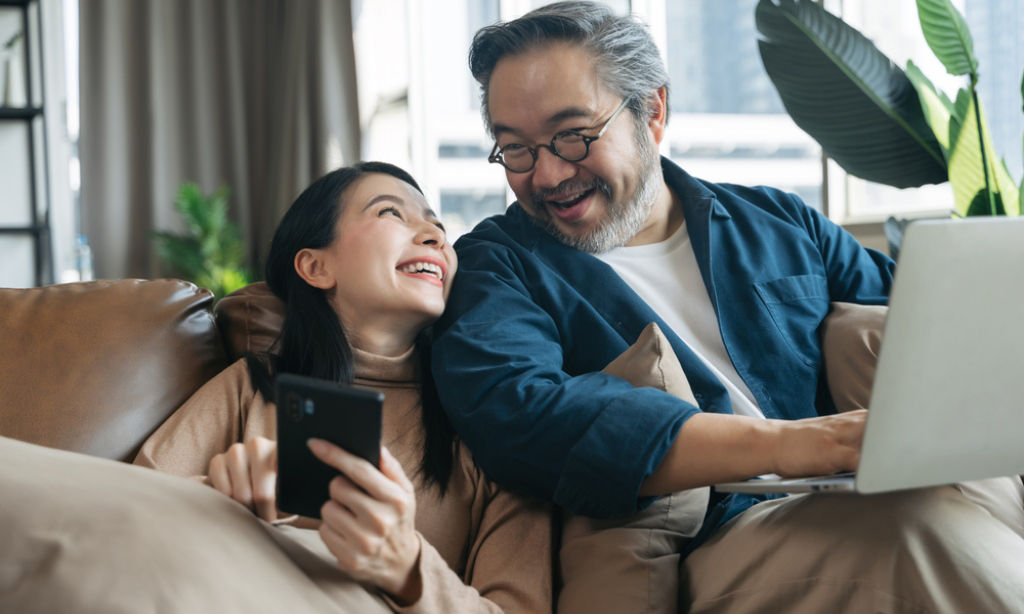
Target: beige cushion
{"type": "Point", "coordinates": [651, 362]}
{"type": "Point", "coordinates": [83, 534]}
{"type": "Point", "coordinates": [631, 563]}
{"type": "Point", "coordinates": [851, 339]}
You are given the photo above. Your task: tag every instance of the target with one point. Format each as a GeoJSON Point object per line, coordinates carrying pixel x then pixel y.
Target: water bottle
{"type": "Point", "coordinates": [83, 259]}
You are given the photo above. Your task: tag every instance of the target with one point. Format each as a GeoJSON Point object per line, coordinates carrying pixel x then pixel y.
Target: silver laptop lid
{"type": "Point", "coordinates": [948, 399]}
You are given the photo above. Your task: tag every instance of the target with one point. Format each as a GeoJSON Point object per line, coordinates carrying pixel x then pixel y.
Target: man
{"type": "Point", "coordinates": [604, 239]}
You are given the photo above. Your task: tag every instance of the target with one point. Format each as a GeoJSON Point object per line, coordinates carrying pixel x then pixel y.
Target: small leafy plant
{"type": "Point", "coordinates": [210, 254]}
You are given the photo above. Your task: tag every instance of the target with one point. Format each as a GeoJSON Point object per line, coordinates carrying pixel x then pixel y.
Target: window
{"type": "Point", "coordinates": [420, 106]}
{"type": "Point", "coordinates": [727, 122]}
{"type": "Point", "coordinates": [35, 146]}
{"type": "Point", "coordinates": [466, 190]}
{"type": "Point", "coordinates": [994, 26]}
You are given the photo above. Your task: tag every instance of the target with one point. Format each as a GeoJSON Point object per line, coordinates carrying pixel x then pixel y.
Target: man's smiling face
{"type": "Point", "coordinates": [597, 203]}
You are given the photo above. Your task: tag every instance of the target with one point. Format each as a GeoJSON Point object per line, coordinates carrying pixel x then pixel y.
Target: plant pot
{"type": "Point", "coordinates": [894, 229]}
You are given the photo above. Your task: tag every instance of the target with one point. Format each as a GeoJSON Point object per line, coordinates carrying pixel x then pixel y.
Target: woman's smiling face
{"type": "Point", "coordinates": [390, 259]}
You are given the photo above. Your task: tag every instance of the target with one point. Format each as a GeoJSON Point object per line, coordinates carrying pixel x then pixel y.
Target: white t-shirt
{"type": "Point", "coordinates": [666, 276]}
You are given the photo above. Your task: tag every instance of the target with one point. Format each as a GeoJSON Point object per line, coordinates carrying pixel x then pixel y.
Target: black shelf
{"type": "Point", "coordinates": [38, 205]}
{"type": "Point", "coordinates": [22, 230]}
{"type": "Point", "coordinates": [20, 112]}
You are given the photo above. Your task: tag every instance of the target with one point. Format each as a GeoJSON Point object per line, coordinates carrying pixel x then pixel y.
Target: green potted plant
{"type": "Point", "coordinates": [210, 254]}
{"type": "Point", "coordinates": [878, 121]}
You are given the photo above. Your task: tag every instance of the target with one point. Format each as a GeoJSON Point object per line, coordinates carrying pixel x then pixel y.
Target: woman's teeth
{"type": "Point", "coordinates": [423, 267]}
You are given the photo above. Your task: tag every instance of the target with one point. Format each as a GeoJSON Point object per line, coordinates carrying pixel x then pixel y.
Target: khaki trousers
{"type": "Point", "coordinates": [957, 549]}
{"type": "Point", "coordinates": [948, 549]}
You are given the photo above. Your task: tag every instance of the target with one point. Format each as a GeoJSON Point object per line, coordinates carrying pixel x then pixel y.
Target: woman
{"type": "Point", "coordinates": [363, 267]}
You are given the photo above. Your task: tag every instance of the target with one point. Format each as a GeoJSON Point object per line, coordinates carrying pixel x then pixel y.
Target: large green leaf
{"type": "Point", "coordinates": [1005, 184]}
{"type": "Point", "coordinates": [937, 107]}
{"type": "Point", "coordinates": [845, 93]}
{"type": "Point", "coordinates": [946, 32]}
{"type": "Point", "coordinates": [966, 173]}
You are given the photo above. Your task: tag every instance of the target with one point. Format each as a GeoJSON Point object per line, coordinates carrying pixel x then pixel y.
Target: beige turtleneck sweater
{"type": "Point", "coordinates": [483, 548]}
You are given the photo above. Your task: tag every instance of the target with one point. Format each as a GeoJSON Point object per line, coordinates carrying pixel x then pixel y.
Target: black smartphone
{"type": "Point", "coordinates": [309, 407]}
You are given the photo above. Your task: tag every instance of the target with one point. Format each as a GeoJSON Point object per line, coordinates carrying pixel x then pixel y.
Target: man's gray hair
{"type": "Point", "coordinates": [627, 60]}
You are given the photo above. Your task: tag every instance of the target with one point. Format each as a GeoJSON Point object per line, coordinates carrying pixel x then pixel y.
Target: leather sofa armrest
{"type": "Point", "coordinates": [96, 367]}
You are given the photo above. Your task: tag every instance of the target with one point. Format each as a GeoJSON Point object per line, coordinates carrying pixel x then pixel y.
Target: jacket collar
{"type": "Point", "coordinates": [696, 197]}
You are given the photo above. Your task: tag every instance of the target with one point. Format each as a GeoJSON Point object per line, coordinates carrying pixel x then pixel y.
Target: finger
{"type": "Point", "coordinates": [358, 539]}
{"type": "Point", "coordinates": [392, 469]}
{"type": "Point", "coordinates": [238, 470]}
{"type": "Point", "coordinates": [373, 515]}
{"type": "Point", "coordinates": [218, 474]}
{"type": "Point", "coordinates": [357, 469]}
{"type": "Point", "coordinates": [338, 517]}
{"type": "Point", "coordinates": [329, 453]}
{"type": "Point", "coordinates": [339, 547]}
{"type": "Point", "coordinates": [263, 454]}
{"type": "Point", "coordinates": [855, 458]}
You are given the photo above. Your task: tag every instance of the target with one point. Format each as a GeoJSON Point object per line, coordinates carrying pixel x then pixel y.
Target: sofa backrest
{"type": "Point", "coordinates": [249, 319]}
{"type": "Point", "coordinates": [95, 367]}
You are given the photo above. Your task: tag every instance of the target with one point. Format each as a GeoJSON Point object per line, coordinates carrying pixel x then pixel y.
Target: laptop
{"type": "Point", "coordinates": [947, 403]}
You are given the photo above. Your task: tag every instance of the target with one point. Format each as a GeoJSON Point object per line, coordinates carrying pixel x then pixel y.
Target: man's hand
{"type": "Point", "coordinates": [369, 522]}
{"type": "Point", "coordinates": [712, 448]}
{"type": "Point", "coordinates": [819, 446]}
{"type": "Point", "coordinates": [247, 472]}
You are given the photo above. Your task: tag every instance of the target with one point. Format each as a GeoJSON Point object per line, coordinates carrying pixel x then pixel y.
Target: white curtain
{"type": "Point", "coordinates": [258, 95]}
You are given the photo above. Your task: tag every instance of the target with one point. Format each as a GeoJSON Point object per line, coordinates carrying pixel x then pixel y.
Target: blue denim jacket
{"type": "Point", "coordinates": [531, 322]}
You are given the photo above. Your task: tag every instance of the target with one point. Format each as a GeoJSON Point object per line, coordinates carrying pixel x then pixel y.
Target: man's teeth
{"type": "Point", "coordinates": [569, 200]}
{"type": "Point", "coordinates": [423, 267]}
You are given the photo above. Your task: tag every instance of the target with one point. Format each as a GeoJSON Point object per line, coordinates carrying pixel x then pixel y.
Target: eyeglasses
{"type": "Point", "coordinates": [568, 145]}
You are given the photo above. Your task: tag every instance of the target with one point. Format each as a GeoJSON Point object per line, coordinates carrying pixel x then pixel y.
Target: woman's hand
{"type": "Point", "coordinates": [368, 524]}
{"type": "Point", "coordinates": [247, 472]}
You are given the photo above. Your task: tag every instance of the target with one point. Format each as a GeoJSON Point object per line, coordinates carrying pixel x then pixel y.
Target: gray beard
{"type": "Point", "coordinates": [624, 220]}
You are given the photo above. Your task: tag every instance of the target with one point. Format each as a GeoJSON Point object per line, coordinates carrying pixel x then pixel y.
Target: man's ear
{"type": "Point", "coordinates": [658, 114]}
{"type": "Point", "coordinates": [310, 265]}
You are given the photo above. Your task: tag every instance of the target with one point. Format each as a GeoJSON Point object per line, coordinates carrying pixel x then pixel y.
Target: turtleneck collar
{"type": "Point", "coordinates": [401, 369]}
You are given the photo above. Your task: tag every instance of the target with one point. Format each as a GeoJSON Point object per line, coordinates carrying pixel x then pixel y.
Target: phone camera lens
{"type": "Point", "coordinates": [292, 408]}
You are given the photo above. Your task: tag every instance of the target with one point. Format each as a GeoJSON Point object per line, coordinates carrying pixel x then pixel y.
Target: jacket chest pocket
{"type": "Point", "coordinates": [797, 305]}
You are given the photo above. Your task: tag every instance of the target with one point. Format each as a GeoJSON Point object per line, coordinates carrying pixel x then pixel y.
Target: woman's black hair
{"type": "Point", "coordinates": [312, 340]}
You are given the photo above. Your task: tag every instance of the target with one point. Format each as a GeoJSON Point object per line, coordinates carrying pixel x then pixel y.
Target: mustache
{"type": "Point", "coordinates": [540, 198]}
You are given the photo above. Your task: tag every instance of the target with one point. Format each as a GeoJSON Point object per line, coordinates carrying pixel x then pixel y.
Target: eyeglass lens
{"type": "Point", "coordinates": [567, 145]}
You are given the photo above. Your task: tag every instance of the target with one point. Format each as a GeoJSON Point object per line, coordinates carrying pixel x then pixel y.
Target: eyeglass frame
{"type": "Point", "coordinates": [496, 157]}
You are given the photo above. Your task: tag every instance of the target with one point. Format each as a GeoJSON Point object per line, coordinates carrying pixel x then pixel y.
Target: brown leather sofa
{"type": "Point", "coordinates": [96, 367]}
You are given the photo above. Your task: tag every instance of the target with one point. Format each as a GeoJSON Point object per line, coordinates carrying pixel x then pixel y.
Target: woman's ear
{"type": "Point", "coordinates": [310, 265]}
{"type": "Point", "coordinates": [658, 114]}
